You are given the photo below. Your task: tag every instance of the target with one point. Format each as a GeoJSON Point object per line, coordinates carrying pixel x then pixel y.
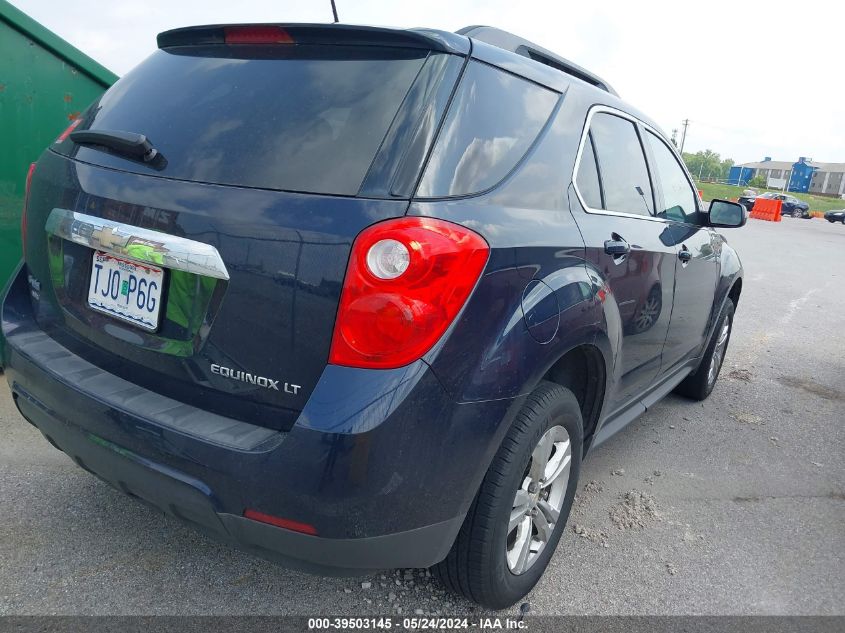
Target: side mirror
{"type": "Point", "coordinates": [726, 215]}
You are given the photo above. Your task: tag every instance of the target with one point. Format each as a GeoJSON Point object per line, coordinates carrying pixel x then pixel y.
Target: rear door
{"type": "Point", "coordinates": [697, 268]}
{"type": "Point", "coordinates": [631, 250]}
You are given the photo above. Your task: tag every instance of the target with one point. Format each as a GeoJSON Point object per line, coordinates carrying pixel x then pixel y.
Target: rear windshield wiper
{"type": "Point", "coordinates": [128, 144]}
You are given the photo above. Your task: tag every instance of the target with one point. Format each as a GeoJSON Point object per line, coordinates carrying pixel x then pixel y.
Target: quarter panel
{"type": "Point", "coordinates": [489, 352]}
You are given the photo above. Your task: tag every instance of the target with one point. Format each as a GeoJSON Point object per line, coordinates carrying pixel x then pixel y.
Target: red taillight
{"type": "Point", "coordinates": [288, 524]}
{"type": "Point", "coordinates": [406, 281]}
{"type": "Point", "coordinates": [29, 174]}
{"type": "Point", "coordinates": [70, 128]}
{"type": "Point", "coordinates": [256, 35]}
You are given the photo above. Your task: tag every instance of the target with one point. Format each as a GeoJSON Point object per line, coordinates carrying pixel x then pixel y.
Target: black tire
{"type": "Point", "coordinates": [699, 385]}
{"type": "Point", "coordinates": [476, 566]}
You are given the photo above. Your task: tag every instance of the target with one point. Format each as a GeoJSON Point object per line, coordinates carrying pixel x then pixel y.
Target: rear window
{"type": "Point", "coordinates": [311, 118]}
{"type": "Point", "coordinates": [492, 122]}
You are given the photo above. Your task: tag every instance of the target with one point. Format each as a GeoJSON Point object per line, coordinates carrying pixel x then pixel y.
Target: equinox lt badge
{"type": "Point", "coordinates": [261, 381]}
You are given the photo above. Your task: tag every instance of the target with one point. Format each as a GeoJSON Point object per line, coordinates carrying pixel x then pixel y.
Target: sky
{"type": "Point", "coordinates": [754, 78]}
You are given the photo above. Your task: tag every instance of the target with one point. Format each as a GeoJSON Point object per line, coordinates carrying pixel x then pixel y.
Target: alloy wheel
{"type": "Point", "coordinates": [719, 352]}
{"type": "Point", "coordinates": [539, 499]}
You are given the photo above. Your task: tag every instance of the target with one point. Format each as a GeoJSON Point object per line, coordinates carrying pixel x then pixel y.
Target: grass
{"type": "Point", "coordinates": [726, 192]}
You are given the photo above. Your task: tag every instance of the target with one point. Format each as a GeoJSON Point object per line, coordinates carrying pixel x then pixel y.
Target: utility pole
{"type": "Point", "coordinates": [684, 136]}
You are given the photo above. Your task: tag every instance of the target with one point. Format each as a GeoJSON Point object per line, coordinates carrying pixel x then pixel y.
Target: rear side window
{"type": "Point", "coordinates": [492, 122]}
{"type": "Point", "coordinates": [678, 196]}
{"type": "Point", "coordinates": [621, 161]}
{"type": "Point", "coordinates": [304, 118]}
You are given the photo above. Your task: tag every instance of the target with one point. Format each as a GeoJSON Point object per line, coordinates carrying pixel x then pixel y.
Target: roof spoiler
{"type": "Point", "coordinates": [327, 34]}
{"type": "Point", "coordinates": [515, 44]}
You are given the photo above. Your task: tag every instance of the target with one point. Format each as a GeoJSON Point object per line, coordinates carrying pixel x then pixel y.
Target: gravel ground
{"type": "Point", "coordinates": [731, 506]}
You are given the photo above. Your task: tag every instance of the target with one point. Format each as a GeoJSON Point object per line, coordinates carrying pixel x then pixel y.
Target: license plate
{"type": "Point", "coordinates": [126, 290]}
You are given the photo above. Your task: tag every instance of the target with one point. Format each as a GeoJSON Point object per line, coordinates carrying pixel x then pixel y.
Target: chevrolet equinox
{"type": "Point", "coordinates": [357, 298]}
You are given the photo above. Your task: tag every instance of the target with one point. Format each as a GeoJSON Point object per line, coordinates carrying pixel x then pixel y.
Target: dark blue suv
{"type": "Point", "coordinates": [355, 298]}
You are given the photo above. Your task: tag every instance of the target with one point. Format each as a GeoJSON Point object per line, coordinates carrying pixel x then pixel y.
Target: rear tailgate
{"type": "Point", "coordinates": [271, 161]}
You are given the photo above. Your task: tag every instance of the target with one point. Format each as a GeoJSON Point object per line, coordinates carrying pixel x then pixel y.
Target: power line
{"type": "Point", "coordinates": [684, 136]}
{"type": "Point", "coordinates": [334, 12]}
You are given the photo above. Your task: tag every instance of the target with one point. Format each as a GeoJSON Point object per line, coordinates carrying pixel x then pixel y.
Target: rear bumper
{"type": "Point", "coordinates": [384, 465]}
{"type": "Point", "coordinates": [193, 502]}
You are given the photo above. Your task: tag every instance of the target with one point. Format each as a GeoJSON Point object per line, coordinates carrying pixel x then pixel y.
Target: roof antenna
{"type": "Point", "coordinates": [334, 12]}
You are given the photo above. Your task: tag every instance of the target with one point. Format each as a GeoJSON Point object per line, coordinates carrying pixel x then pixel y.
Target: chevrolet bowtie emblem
{"type": "Point", "coordinates": [109, 238]}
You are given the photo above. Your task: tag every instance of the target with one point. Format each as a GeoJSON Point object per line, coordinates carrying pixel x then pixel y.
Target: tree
{"type": "Point", "coordinates": [707, 164]}
{"type": "Point", "coordinates": [759, 181]}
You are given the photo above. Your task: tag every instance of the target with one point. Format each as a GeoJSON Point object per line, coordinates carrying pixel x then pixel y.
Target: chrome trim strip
{"type": "Point", "coordinates": [170, 251]}
{"type": "Point", "coordinates": [624, 115]}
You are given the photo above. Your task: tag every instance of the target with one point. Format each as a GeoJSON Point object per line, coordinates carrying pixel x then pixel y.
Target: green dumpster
{"type": "Point", "coordinates": [44, 84]}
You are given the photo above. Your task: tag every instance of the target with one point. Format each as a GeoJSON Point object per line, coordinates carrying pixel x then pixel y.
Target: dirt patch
{"type": "Point", "coordinates": [592, 488]}
{"type": "Point", "coordinates": [599, 537]}
{"type": "Point", "coordinates": [636, 510]}
{"type": "Point", "coordinates": [810, 386]}
{"type": "Point", "coordinates": [740, 374]}
{"type": "Point", "coordinates": [748, 418]}
{"type": "Point", "coordinates": [587, 494]}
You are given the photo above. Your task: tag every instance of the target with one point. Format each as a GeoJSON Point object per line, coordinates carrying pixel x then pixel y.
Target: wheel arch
{"type": "Point", "coordinates": [582, 370]}
{"type": "Point", "coordinates": [735, 291]}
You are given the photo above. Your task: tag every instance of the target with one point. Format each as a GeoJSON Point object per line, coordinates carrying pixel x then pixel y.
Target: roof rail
{"type": "Point", "coordinates": [520, 46]}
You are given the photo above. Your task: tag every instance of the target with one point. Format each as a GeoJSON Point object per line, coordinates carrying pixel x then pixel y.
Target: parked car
{"type": "Point", "coordinates": [790, 206]}
{"type": "Point", "coordinates": [793, 206]}
{"type": "Point", "coordinates": [372, 313]}
{"type": "Point", "coordinates": [835, 216]}
{"type": "Point", "coordinates": [747, 199]}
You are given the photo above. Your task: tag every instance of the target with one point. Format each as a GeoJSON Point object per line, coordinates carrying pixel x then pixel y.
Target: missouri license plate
{"type": "Point", "coordinates": [126, 290]}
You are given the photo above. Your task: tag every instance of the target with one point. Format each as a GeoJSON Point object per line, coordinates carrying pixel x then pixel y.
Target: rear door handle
{"type": "Point", "coordinates": [617, 246]}
{"type": "Point", "coordinates": [684, 255]}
